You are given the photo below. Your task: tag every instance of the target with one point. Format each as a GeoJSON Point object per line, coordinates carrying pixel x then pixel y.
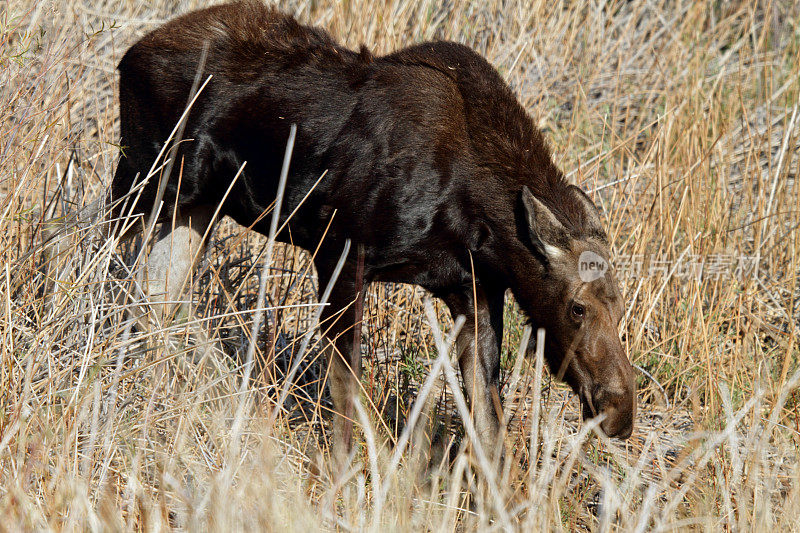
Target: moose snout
{"type": "Point", "coordinates": [619, 419]}
{"type": "Point", "coordinates": [619, 408]}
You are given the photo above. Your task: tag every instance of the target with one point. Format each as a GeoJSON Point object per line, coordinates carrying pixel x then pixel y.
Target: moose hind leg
{"type": "Point", "coordinates": [173, 257]}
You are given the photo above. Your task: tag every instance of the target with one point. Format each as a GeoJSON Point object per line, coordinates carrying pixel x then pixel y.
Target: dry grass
{"type": "Point", "coordinates": [682, 116]}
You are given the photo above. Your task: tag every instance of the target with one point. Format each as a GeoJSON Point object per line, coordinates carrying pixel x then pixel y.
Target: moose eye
{"type": "Point", "coordinates": [578, 310]}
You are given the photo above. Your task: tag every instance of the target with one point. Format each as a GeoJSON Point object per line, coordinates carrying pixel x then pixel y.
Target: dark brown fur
{"type": "Point", "coordinates": [433, 167]}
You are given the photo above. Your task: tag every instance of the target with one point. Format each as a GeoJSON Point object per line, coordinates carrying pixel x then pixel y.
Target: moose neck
{"type": "Point", "coordinates": [524, 274]}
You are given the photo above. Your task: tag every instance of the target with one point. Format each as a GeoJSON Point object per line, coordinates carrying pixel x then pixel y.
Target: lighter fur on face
{"type": "Point", "coordinates": [553, 252]}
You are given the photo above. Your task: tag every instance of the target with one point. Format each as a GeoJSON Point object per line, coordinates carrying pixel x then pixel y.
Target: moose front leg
{"type": "Point", "coordinates": [478, 348]}
{"type": "Point", "coordinates": [341, 325]}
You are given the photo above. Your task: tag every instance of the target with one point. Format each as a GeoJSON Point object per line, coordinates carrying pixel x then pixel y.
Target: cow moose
{"type": "Point", "coordinates": [431, 168]}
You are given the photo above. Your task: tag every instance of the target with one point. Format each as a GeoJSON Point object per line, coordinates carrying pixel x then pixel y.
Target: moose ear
{"type": "Point", "coordinates": [547, 234]}
{"type": "Point", "coordinates": [594, 220]}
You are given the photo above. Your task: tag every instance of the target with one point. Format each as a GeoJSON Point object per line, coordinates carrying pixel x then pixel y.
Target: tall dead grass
{"type": "Point", "coordinates": [681, 117]}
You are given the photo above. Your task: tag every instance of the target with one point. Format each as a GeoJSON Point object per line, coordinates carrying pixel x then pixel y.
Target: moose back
{"type": "Point", "coordinates": [429, 165]}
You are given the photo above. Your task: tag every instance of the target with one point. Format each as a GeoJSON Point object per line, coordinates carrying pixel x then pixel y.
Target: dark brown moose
{"type": "Point", "coordinates": [429, 166]}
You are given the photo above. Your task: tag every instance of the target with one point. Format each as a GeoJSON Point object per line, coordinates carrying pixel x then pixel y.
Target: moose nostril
{"type": "Point", "coordinates": [625, 433]}
{"type": "Point", "coordinates": [617, 424]}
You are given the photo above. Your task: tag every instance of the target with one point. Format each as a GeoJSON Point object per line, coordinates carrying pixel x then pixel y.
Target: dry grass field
{"type": "Point", "coordinates": [681, 118]}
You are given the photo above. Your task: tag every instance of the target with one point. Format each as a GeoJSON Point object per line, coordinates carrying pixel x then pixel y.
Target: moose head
{"type": "Point", "coordinates": [580, 306]}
